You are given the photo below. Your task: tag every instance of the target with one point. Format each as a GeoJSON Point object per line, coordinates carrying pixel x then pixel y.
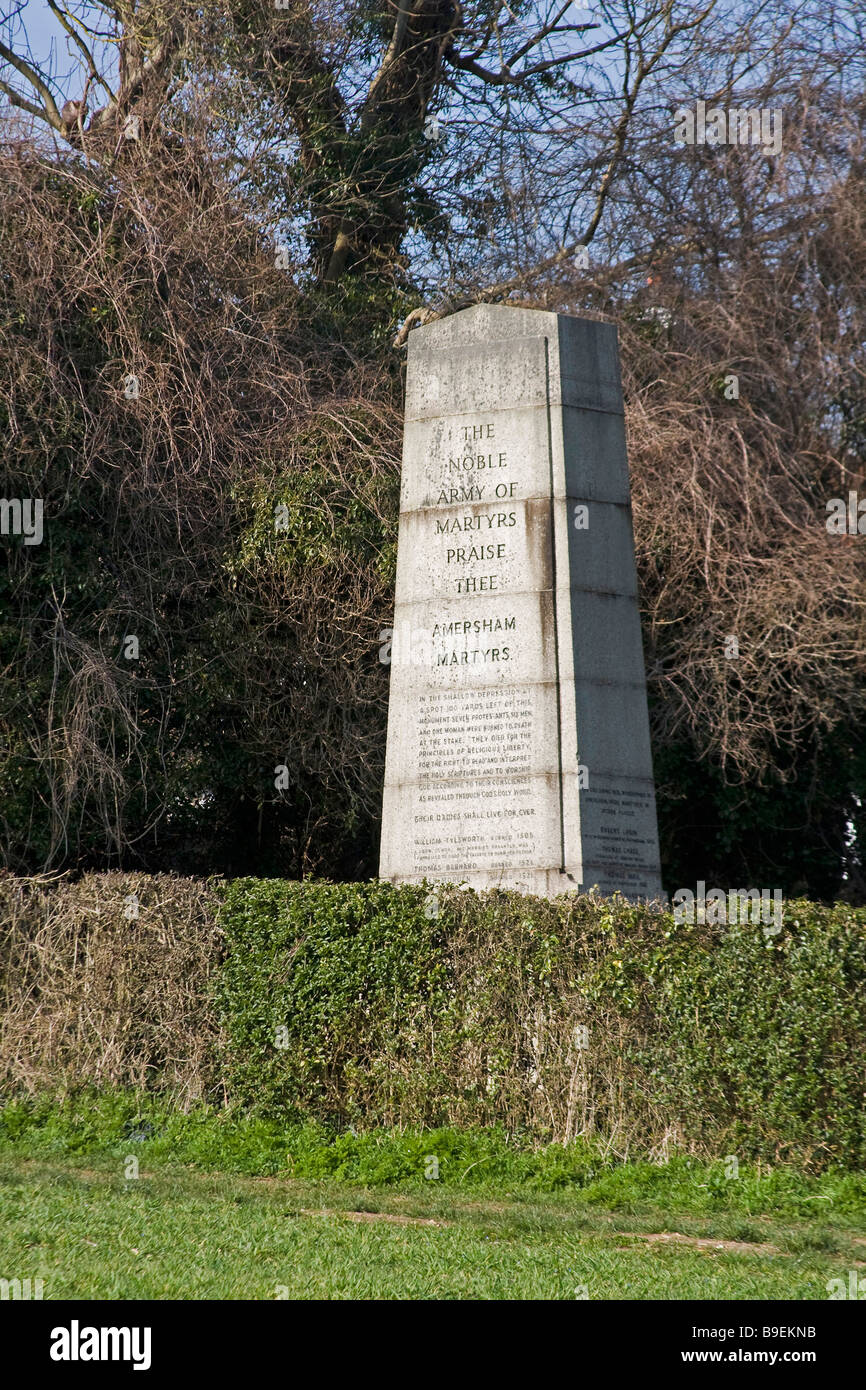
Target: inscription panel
{"type": "Point", "coordinates": [473, 682]}
{"type": "Point", "coordinates": [492, 455]}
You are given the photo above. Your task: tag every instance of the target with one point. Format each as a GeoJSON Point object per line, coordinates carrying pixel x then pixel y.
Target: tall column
{"type": "Point", "coordinates": [518, 748]}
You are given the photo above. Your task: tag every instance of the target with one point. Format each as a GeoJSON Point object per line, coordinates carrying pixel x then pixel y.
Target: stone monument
{"type": "Point", "coordinates": [518, 751]}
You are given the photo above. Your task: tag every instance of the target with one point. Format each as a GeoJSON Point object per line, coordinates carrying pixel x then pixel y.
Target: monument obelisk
{"type": "Point", "coordinates": [518, 751]}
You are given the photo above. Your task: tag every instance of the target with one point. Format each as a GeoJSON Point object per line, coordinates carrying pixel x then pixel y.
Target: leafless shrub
{"type": "Point", "coordinates": [106, 984]}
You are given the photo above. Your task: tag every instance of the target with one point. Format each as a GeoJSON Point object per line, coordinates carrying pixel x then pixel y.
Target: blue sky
{"type": "Point", "coordinates": [47, 41]}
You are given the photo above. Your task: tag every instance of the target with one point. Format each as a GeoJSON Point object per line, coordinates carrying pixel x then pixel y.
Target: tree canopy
{"type": "Point", "coordinates": [219, 224]}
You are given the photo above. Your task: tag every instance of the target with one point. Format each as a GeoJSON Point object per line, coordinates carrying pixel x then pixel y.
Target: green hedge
{"type": "Point", "coordinates": [323, 993]}
{"type": "Point", "coordinates": [363, 1006]}
{"type": "Point", "coordinates": [557, 1018]}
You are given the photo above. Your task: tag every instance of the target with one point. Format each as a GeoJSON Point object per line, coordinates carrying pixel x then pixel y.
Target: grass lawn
{"type": "Point", "coordinates": [177, 1233]}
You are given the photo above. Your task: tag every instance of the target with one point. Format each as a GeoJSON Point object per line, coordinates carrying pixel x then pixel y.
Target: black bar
{"type": "Point", "coordinates": [424, 1341]}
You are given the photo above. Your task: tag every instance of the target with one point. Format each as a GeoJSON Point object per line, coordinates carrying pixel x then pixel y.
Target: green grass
{"type": "Point", "coordinates": [178, 1234]}
{"type": "Point", "coordinates": [229, 1207]}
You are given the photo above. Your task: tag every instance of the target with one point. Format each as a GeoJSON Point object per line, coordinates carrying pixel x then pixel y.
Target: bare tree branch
{"type": "Point", "coordinates": [48, 111]}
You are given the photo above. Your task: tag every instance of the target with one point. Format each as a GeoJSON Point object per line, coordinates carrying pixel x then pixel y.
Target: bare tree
{"type": "Point", "coordinates": [237, 204]}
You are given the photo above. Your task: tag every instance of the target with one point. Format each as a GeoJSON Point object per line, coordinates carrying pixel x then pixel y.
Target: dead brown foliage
{"type": "Point", "coordinates": [92, 995]}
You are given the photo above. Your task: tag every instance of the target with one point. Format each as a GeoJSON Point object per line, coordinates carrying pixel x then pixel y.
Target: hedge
{"type": "Point", "coordinates": [363, 1005]}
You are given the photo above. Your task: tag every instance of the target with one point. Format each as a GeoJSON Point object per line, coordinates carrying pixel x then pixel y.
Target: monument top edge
{"type": "Point", "coordinates": [480, 322]}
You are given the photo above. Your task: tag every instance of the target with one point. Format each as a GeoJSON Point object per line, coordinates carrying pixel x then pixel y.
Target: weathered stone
{"type": "Point", "coordinates": [518, 739]}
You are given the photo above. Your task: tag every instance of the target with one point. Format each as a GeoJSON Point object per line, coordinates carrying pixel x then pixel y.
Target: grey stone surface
{"type": "Point", "coordinates": [518, 748]}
